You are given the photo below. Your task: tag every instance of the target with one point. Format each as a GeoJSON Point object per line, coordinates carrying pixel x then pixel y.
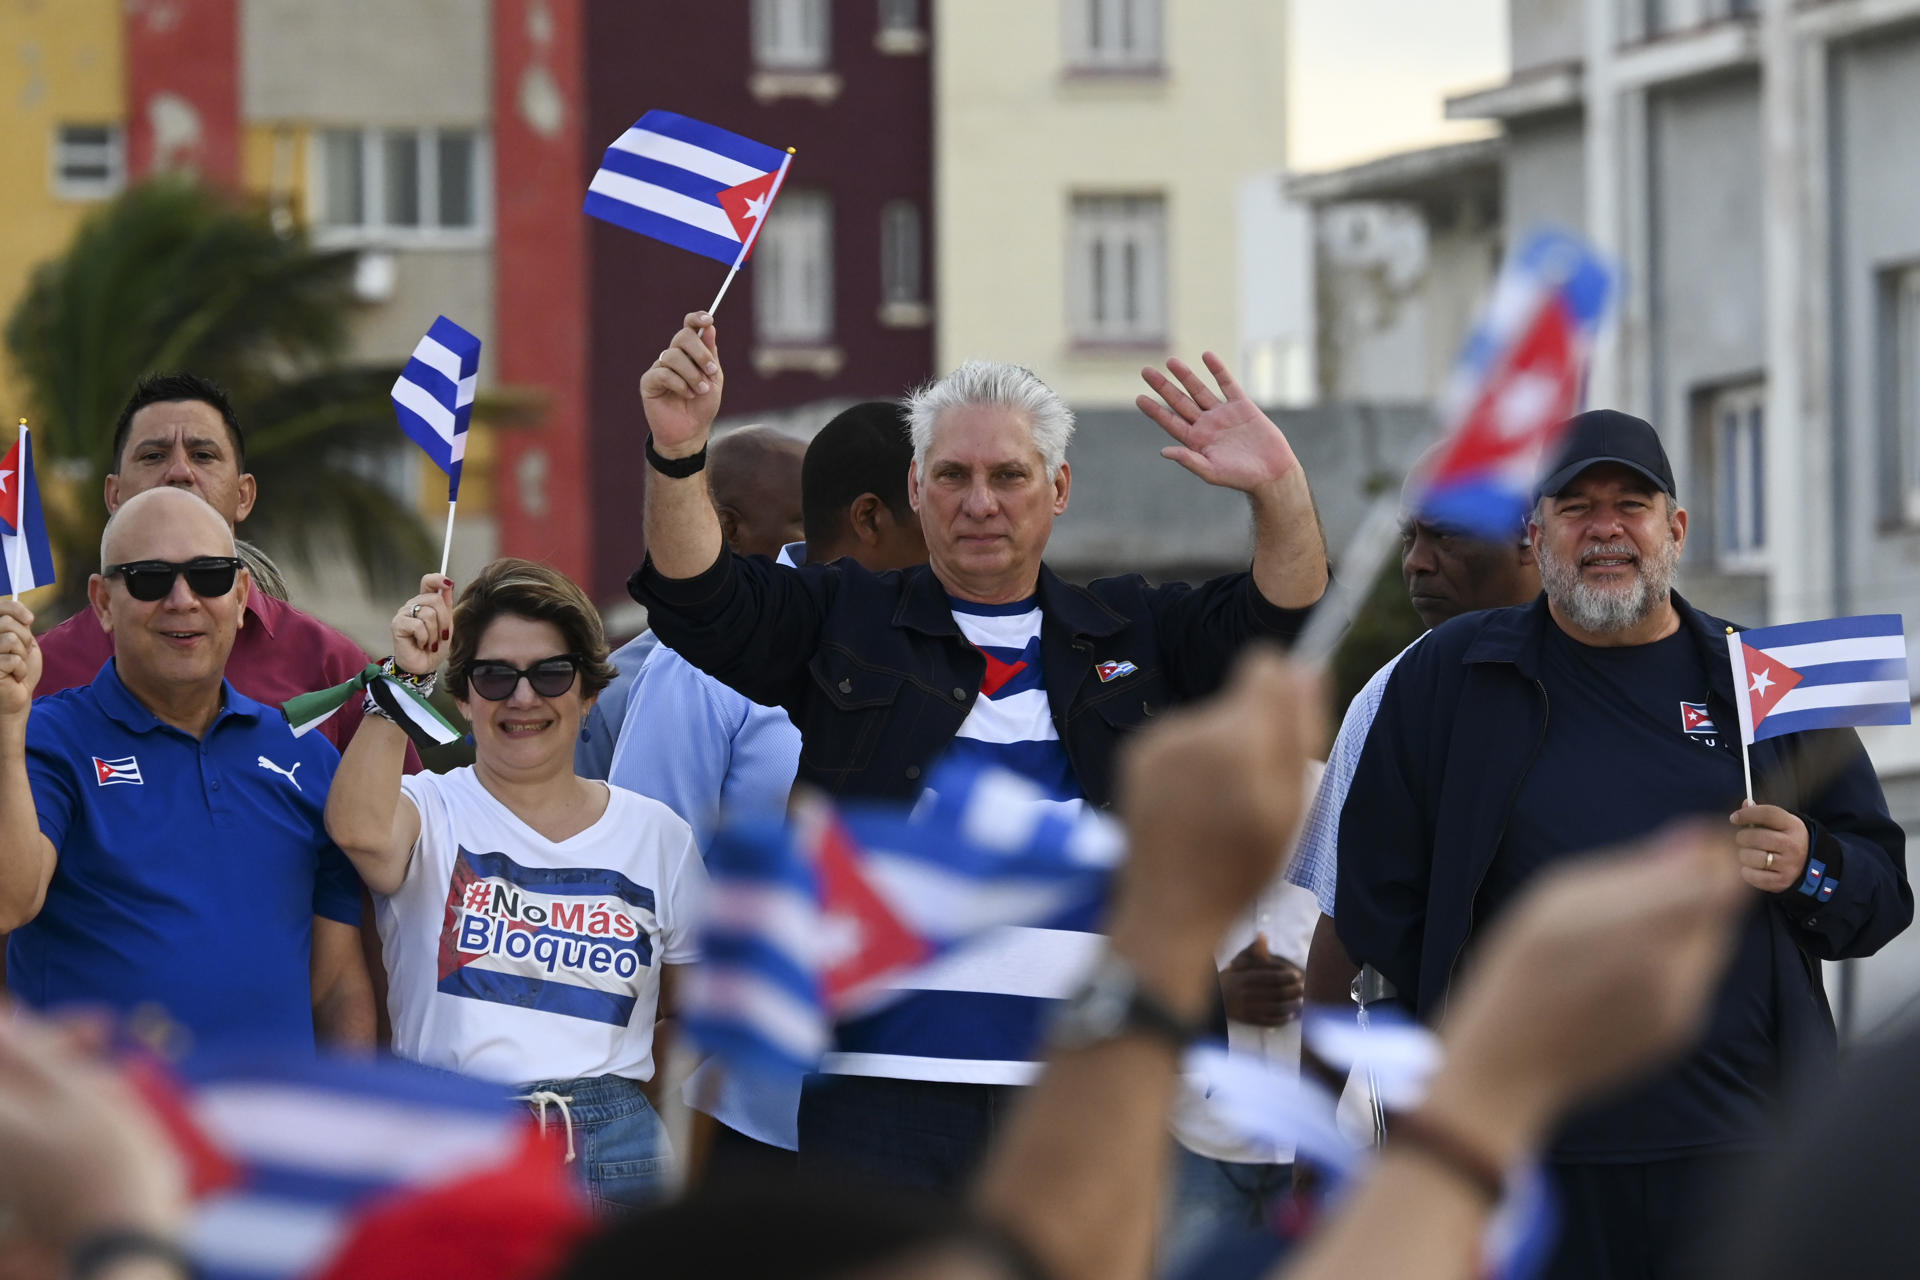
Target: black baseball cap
{"type": "Point", "coordinates": [1607, 435]}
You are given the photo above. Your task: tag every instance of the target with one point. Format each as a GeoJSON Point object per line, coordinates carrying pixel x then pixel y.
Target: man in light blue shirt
{"type": "Point", "coordinates": [755, 477]}
{"type": "Point", "coordinates": [704, 751]}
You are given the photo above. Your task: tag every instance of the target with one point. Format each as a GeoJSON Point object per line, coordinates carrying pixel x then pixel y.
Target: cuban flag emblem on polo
{"type": "Point", "coordinates": [1694, 719]}
{"type": "Point", "coordinates": [1114, 670]}
{"type": "Point", "coordinates": [124, 770]}
{"type": "Point", "coordinates": [571, 941]}
{"type": "Point", "coordinates": [690, 184]}
{"type": "Point", "coordinates": [1836, 673]}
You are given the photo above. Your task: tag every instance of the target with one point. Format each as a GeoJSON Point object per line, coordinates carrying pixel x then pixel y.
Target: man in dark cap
{"type": "Point", "coordinates": [1512, 739]}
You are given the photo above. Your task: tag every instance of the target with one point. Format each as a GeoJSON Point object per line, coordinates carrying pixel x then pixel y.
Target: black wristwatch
{"type": "Point", "coordinates": [1113, 1004]}
{"type": "Point", "coordinates": [675, 468]}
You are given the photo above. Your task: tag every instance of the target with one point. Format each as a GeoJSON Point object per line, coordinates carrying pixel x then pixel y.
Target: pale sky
{"type": "Point", "coordinates": [1367, 77]}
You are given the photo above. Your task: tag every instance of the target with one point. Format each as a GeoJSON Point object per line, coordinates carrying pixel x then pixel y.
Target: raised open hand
{"type": "Point", "coordinates": [1224, 438]}
{"type": "Point", "coordinates": [681, 392]}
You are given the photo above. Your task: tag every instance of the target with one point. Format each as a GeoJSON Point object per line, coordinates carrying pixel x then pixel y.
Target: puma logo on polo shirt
{"type": "Point", "coordinates": [265, 763]}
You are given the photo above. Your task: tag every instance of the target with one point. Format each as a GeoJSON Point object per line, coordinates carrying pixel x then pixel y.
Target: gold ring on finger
{"type": "Point", "coordinates": [1769, 859]}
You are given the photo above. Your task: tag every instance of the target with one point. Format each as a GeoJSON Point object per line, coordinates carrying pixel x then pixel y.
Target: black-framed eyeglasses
{"type": "Point", "coordinates": [208, 577]}
{"type": "Point", "coordinates": [549, 677]}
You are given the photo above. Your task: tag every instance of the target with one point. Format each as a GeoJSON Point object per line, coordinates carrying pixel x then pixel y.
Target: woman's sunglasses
{"type": "Point", "coordinates": [208, 577]}
{"type": "Point", "coordinates": [549, 677]}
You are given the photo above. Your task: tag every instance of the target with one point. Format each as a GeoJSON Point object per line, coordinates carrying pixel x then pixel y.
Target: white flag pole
{"type": "Point", "coordinates": [19, 512]}
{"type": "Point", "coordinates": [746, 246]}
{"type": "Point", "coordinates": [1742, 704]}
{"type": "Point", "coordinates": [446, 543]}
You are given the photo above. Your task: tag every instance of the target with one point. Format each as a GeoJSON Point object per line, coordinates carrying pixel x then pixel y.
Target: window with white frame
{"type": "Point", "coordinates": [1903, 437]}
{"type": "Point", "coordinates": [89, 161]}
{"type": "Point", "coordinates": [793, 271]}
{"type": "Point", "coordinates": [1117, 269]}
{"type": "Point", "coordinates": [902, 275]}
{"type": "Point", "coordinates": [399, 185]}
{"type": "Point", "coordinates": [1737, 423]}
{"type": "Point", "coordinates": [790, 35]}
{"type": "Point", "coordinates": [1113, 35]}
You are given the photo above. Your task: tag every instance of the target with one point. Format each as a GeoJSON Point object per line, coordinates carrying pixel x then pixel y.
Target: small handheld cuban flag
{"type": "Point", "coordinates": [690, 184]}
{"type": "Point", "coordinates": [336, 1167]}
{"type": "Point", "coordinates": [26, 554]}
{"type": "Point", "coordinates": [810, 921]}
{"type": "Point", "coordinates": [1833, 674]}
{"type": "Point", "coordinates": [1516, 383]}
{"type": "Point", "coordinates": [434, 396]}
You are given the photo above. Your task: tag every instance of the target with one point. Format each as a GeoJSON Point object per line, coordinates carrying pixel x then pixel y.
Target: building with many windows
{"type": "Point", "coordinates": [1747, 163]}
{"type": "Point", "coordinates": [449, 144]}
{"type": "Point", "coordinates": [1091, 156]}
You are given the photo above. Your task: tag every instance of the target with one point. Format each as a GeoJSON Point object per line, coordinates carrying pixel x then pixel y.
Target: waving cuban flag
{"type": "Point", "coordinates": [1831, 674]}
{"type": "Point", "coordinates": [1516, 383]}
{"type": "Point", "coordinates": [809, 921]}
{"type": "Point", "coordinates": [434, 396]}
{"type": "Point", "coordinates": [22, 567]}
{"type": "Point", "coordinates": [689, 184]}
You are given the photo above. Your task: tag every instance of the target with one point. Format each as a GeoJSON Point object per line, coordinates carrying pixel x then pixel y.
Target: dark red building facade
{"type": "Point", "coordinates": [836, 303]}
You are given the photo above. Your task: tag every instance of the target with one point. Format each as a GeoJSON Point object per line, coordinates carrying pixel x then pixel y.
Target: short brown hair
{"type": "Point", "coordinates": [527, 589]}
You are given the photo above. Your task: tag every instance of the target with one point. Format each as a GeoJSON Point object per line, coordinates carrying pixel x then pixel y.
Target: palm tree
{"type": "Point", "coordinates": [172, 275]}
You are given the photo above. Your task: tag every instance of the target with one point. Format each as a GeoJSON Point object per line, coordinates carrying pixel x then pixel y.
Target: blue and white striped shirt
{"type": "Point", "coordinates": [976, 1015]}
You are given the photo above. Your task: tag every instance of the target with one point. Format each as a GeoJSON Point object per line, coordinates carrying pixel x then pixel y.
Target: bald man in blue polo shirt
{"type": "Point", "coordinates": [162, 840]}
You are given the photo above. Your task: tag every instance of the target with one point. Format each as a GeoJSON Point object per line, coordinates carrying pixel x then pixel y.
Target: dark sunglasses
{"type": "Point", "coordinates": [549, 677]}
{"type": "Point", "coordinates": [208, 577]}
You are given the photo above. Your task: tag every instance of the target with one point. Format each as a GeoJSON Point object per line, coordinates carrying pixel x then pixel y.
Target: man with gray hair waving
{"type": "Point", "coordinates": [983, 653]}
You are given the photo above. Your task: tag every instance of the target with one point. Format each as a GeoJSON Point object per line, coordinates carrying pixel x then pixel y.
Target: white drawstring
{"type": "Point", "coordinates": [540, 1099]}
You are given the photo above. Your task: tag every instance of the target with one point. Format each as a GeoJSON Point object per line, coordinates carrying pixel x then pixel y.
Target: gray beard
{"type": "Point", "coordinates": [1607, 610]}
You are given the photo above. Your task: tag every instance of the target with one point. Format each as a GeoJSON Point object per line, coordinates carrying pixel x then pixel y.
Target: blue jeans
{"type": "Point", "coordinates": [1211, 1198]}
{"type": "Point", "coordinates": [924, 1134]}
{"type": "Point", "coordinates": [620, 1146]}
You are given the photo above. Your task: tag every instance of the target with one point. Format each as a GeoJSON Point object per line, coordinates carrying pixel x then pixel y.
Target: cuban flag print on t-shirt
{"type": "Point", "coordinates": [565, 940]}
{"type": "Point", "coordinates": [1011, 723]}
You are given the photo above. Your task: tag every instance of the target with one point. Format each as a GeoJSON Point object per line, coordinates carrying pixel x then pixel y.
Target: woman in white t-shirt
{"type": "Point", "coordinates": [531, 919]}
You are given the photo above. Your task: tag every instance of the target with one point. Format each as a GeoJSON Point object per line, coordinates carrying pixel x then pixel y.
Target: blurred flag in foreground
{"type": "Point", "coordinates": [22, 568]}
{"type": "Point", "coordinates": [434, 396]}
{"type": "Point", "coordinates": [367, 1169]}
{"type": "Point", "coordinates": [689, 184]}
{"type": "Point", "coordinates": [1518, 380]}
{"type": "Point", "coordinates": [1831, 674]}
{"type": "Point", "coordinates": [808, 920]}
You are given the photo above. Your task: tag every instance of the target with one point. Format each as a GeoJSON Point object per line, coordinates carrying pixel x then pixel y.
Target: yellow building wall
{"type": "Point", "coordinates": [1017, 136]}
{"type": "Point", "coordinates": [61, 62]}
